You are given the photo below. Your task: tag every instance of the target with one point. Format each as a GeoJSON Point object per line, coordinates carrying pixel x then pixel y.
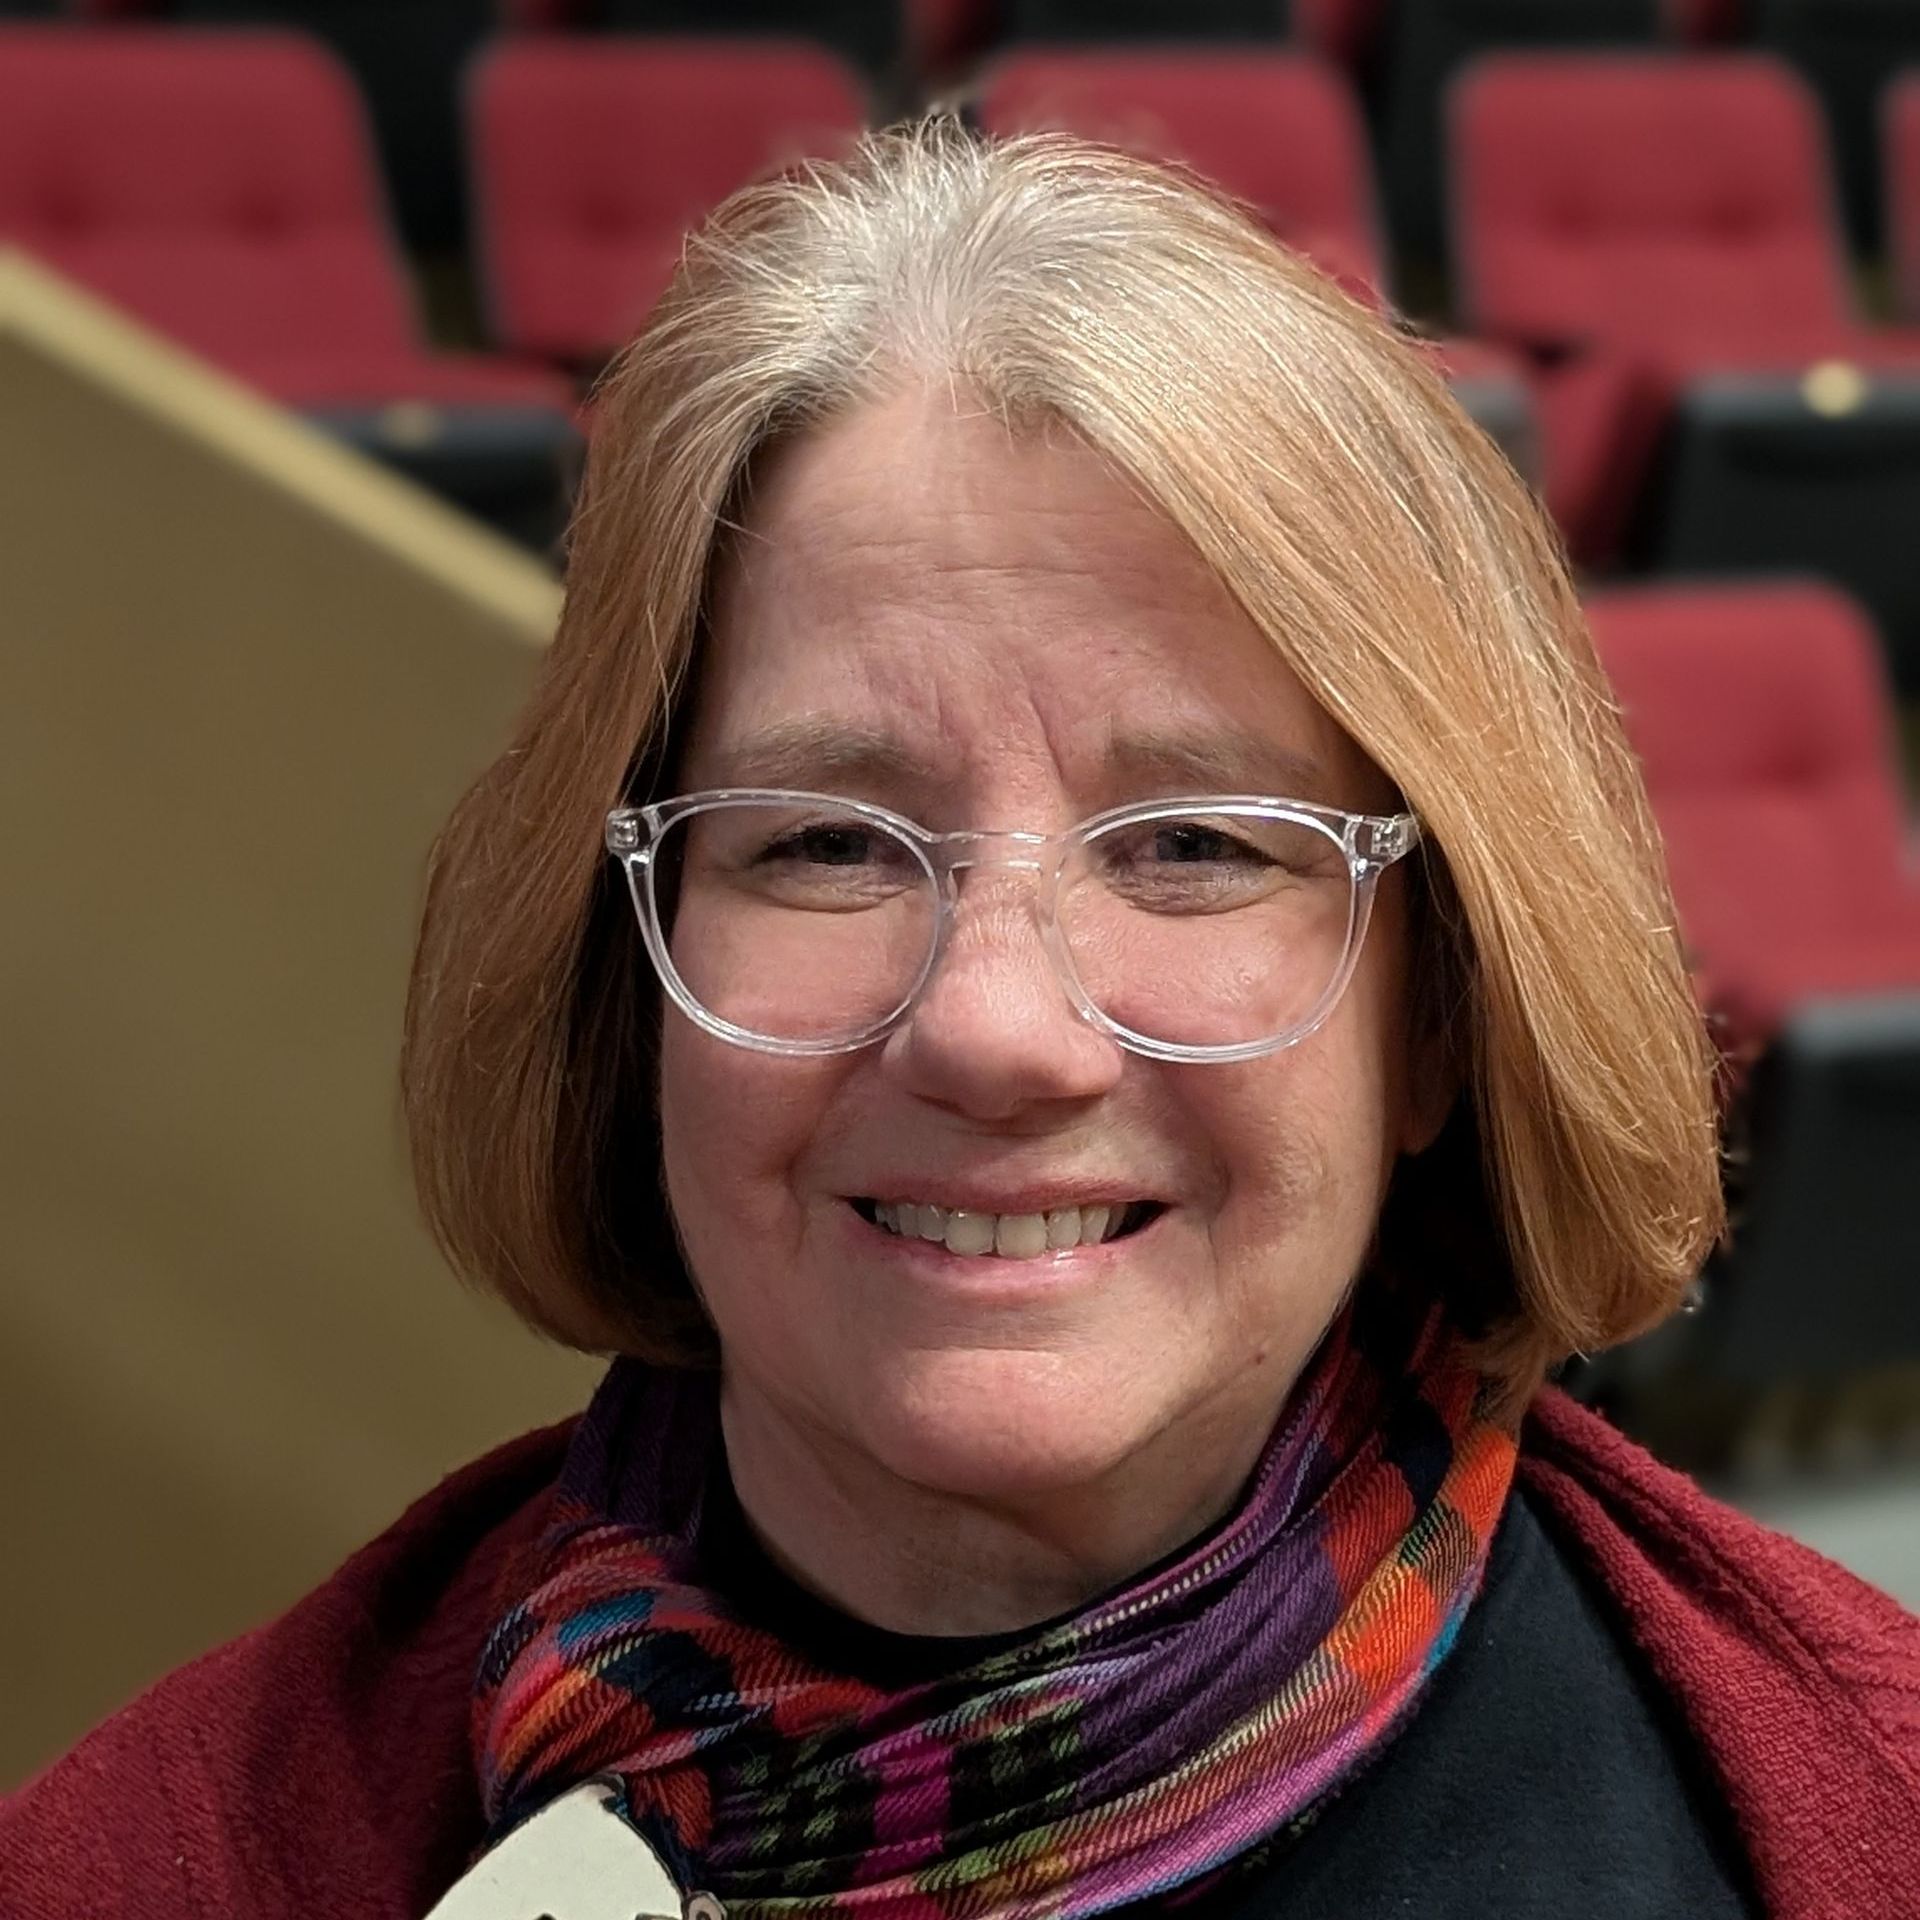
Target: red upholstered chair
{"type": "Point", "coordinates": [1761, 718]}
{"type": "Point", "coordinates": [1677, 205]}
{"type": "Point", "coordinates": [1903, 189]}
{"type": "Point", "coordinates": [404, 56]}
{"type": "Point", "coordinates": [1426, 44]}
{"type": "Point", "coordinates": [592, 157]}
{"type": "Point", "coordinates": [221, 187]}
{"type": "Point", "coordinates": [1641, 223]}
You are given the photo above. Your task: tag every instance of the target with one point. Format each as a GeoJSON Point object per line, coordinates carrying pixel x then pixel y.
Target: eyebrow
{"type": "Point", "coordinates": [816, 754]}
{"type": "Point", "coordinates": [1218, 760]}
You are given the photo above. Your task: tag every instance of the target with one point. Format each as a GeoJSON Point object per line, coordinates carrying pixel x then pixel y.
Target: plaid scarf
{"type": "Point", "coordinates": [1116, 1754]}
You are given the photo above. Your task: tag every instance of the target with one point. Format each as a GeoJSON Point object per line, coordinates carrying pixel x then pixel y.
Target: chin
{"type": "Point", "coordinates": [1004, 1424]}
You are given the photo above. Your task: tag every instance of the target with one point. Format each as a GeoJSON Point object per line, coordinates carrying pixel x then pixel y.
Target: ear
{"type": "Point", "coordinates": [1434, 1082]}
{"type": "Point", "coordinates": [1438, 1006]}
{"type": "Point", "coordinates": [1436, 1068]}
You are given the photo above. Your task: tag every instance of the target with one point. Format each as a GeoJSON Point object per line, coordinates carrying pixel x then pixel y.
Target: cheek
{"type": "Point", "coordinates": [733, 1128]}
{"type": "Point", "coordinates": [1306, 1139]}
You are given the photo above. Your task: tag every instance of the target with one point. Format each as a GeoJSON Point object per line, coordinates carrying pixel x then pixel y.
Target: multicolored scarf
{"type": "Point", "coordinates": [1119, 1753]}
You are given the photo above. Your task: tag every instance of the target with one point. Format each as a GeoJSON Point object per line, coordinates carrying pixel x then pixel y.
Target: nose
{"type": "Point", "coordinates": [994, 1032]}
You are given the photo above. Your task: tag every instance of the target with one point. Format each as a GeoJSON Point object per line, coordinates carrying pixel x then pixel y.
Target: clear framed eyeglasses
{"type": "Point", "coordinates": [1213, 928]}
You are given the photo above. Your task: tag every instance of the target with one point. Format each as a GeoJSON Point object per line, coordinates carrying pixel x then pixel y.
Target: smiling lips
{"type": "Point", "coordinates": [1009, 1236]}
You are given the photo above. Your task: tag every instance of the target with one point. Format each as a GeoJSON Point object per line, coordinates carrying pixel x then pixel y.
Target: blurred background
{"type": "Point", "coordinates": [298, 308]}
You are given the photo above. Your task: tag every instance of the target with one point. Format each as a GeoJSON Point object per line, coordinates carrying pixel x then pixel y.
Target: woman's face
{"type": "Point", "coordinates": [1030, 643]}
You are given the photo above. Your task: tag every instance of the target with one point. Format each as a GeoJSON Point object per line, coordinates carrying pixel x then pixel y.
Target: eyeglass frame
{"type": "Point", "coordinates": [1372, 842]}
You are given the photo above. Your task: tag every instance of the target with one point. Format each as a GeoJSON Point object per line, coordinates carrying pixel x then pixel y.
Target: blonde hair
{"type": "Point", "coordinates": [1316, 459]}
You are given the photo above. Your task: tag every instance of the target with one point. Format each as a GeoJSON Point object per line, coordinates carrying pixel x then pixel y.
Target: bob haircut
{"type": "Point", "coordinates": [1315, 459]}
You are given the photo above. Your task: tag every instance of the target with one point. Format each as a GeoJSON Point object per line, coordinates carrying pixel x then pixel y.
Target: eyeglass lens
{"type": "Point", "coordinates": [1216, 929]}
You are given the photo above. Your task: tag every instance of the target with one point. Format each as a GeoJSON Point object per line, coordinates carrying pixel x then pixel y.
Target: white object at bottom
{"type": "Point", "coordinates": [576, 1859]}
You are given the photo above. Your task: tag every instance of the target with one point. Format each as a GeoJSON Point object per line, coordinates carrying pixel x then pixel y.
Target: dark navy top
{"type": "Point", "coordinates": [1544, 1776]}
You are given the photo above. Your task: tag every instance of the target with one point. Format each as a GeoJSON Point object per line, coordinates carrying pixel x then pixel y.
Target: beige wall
{"type": "Point", "coordinates": [242, 677]}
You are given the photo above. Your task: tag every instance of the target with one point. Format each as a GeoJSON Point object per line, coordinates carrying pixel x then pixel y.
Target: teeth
{"type": "Point", "coordinates": [969, 1232]}
{"type": "Point", "coordinates": [1010, 1236]}
{"type": "Point", "coordinates": [1020, 1236]}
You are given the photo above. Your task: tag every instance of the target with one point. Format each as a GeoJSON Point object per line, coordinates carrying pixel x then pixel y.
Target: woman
{"type": "Point", "coordinates": [1128, 1004]}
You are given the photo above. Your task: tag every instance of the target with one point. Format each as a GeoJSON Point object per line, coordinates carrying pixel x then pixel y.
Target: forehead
{"type": "Point", "coordinates": [916, 597]}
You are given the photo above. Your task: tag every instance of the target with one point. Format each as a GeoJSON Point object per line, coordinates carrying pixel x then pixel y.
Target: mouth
{"type": "Point", "coordinates": [1009, 1236]}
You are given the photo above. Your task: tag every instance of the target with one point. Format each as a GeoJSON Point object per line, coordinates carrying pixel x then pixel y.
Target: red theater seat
{"type": "Point", "coordinates": [1760, 715]}
{"type": "Point", "coordinates": [592, 157]}
{"type": "Point", "coordinates": [1425, 44]}
{"type": "Point", "coordinates": [1278, 130]}
{"type": "Point", "coordinates": [1639, 223]}
{"type": "Point", "coordinates": [1761, 719]}
{"type": "Point", "coordinates": [1678, 206]}
{"type": "Point", "coordinates": [221, 187]}
{"type": "Point", "coordinates": [403, 56]}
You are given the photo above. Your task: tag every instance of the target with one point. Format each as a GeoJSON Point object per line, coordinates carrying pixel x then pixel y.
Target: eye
{"type": "Point", "coordinates": [835, 844]}
{"type": "Point", "coordinates": [1191, 841]}
{"type": "Point", "coordinates": [826, 863]}
{"type": "Point", "coordinates": [1212, 863]}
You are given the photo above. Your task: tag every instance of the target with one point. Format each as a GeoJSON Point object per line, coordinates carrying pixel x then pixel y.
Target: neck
{"type": "Point", "coordinates": [913, 1559]}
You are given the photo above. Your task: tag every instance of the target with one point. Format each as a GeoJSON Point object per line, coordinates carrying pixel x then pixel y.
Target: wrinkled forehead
{"type": "Point", "coordinates": [917, 601]}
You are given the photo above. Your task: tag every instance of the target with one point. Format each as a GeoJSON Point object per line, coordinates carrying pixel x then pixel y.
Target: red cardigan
{"type": "Point", "coordinates": [319, 1765]}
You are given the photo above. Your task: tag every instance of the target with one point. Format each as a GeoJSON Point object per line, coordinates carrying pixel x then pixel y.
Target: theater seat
{"type": "Point", "coordinates": [405, 57]}
{"type": "Point", "coordinates": [1661, 235]}
{"type": "Point", "coordinates": [1761, 719]}
{"type": "Point", "coordinates": [592, 158]}
{"type": "Point", "coordinates": [220, 187]}
{"type": "Point", "coordinates": [1426, 43]}
{"type": "Point", "coordinates": [1678, 206]}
